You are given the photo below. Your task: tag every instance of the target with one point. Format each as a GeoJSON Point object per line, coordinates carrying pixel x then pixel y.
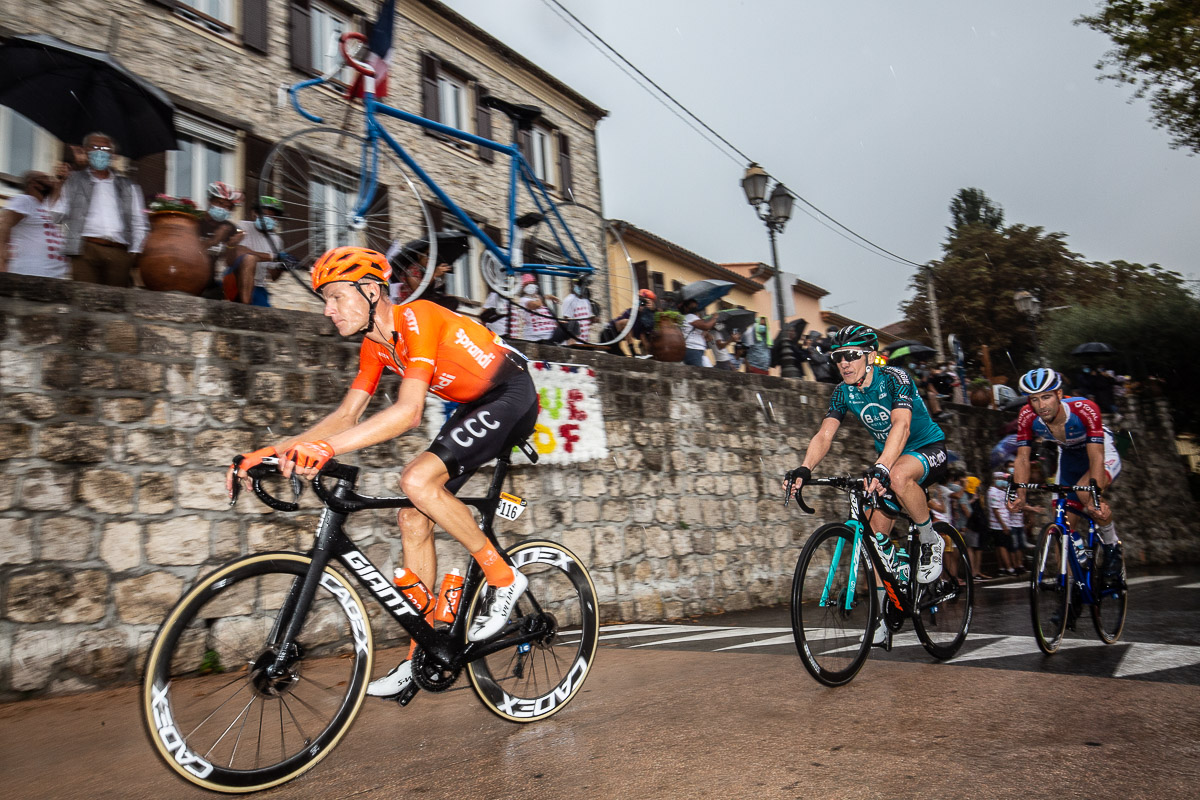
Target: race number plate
{"type": "Point", "coordinates": [510, 506]}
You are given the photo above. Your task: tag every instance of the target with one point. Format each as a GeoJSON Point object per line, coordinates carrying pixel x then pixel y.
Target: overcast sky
{"type": "Point", "coordinates": [877, 112]}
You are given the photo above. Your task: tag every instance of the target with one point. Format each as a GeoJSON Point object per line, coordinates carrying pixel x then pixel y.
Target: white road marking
{"type": "Point", "coordinates": [660, 629]}
{"type": "Point", "coordinates": [1015, 646]}
{"type": "Point", "coordinates": [1142, 658]}
{"type": "Point", "coordinates": [1150, 579]}
{"type": "Point", "coordinates": [720, 634]}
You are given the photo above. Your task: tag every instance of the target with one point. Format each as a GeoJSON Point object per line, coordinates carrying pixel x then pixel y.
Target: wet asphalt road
{"type": "Point", "coordinates": [666, 714]}
{"type": "Point", "coordinates": [1161, 640]}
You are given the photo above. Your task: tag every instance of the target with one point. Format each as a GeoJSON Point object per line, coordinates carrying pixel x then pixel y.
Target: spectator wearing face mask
{"type": "Point", "coordinates": [217, 229]}
{"type": "Point", "coordinates": [255, 261]}
{"type": "Point", "coordinates": [757, 340]}
{"type": "Point", "coordinates": [537, 325]}
{"type": "Point", "coordinates": [579, 311]}
{"type": "Point", "coordinates": [103, 218]}
{"type": "Point", "coordinates": [30, 240]}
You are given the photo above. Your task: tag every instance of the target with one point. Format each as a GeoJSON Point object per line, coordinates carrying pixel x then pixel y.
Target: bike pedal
{"type": "Point", "coordinates": [405, 697]}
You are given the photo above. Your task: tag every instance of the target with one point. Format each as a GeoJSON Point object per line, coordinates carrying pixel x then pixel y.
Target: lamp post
{"type": "Point", "coordinates": [1031, 307]}
{"type": "Point", "coordinates": [774, 211]}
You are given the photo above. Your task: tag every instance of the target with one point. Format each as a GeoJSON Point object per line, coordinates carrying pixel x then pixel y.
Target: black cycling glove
{"type": "Point", "coordinates": [880, 473]}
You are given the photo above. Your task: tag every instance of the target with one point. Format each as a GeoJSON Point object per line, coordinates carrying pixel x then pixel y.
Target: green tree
{"type": "Point", "coordinates": [972, 206]}
{"type": "Point", "coordinates": [1156, 49]}
{"type": "Point", "coordinates": [975, 282]}
{"type": "Point", "coordinates": [1153, 333]}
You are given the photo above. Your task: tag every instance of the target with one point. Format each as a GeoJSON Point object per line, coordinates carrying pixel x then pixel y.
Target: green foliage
{"type": "Point", "coordinates": [1153, 330]}
{"type": "Point", "coordinates": [985, 265]}
{"type": "Point", "coordinates": [669, 316]}
{"type": "Point", "coordinates": [1156, 49]}
{"type": "Point", "coordinates": [972, 206]}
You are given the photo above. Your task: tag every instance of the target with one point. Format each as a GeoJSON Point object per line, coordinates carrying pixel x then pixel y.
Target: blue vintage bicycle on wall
{"type": "Point", "coordinates": [335, 187]}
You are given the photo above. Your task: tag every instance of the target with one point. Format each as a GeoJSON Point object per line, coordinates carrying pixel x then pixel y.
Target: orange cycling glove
{"type": "Point", "coordinates": [310, 454]}
{"type": "Point", "coordinates": [255, 458]}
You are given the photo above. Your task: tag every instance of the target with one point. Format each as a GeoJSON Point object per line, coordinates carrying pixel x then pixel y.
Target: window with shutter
{"type": "Point", "coordinates": [256, 150]}
{"type": "Point", "coordinates": [483, 124]}
{"type": "Point", "coordinates": [254, 25]}
{"type": "Point", "coordinates": [564, 168]}
{"type": "Point", "coordinates": [429, 87]}
{"type": "Point", "coordinates": [299, 24]}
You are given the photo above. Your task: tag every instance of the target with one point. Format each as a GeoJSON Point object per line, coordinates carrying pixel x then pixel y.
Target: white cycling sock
{"type": "Point", "coordinates": [1108, 533]}
{"type": "Point", "coordinates": [925, 531]}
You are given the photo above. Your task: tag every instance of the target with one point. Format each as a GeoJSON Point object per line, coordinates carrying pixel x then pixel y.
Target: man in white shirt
{"type": "Point", "coordinates": [103, 216]}
{"type": "Point", "coordinates": [30, 240]}
{"type": "Point", "coordinates": [537, 324]}
{"type": "Point", "coordinates": [256, 249]}
{"type": "Point", "coordinates": [577, 307]}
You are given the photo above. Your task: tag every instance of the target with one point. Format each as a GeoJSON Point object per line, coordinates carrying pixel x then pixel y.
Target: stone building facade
{"type": "Point", "coordinates": [119, 410]}
{"type": "Point", "coordinates": [226, 66]}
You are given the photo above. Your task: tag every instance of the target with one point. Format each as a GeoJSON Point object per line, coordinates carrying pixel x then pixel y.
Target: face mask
{"type": "Point", "coordinates": [577, 290]}
{"type": "Point", "coordinates": [218, 213]}
{"type": "Point", "coordinates": [1001, 484]}
{"type": "Point", "coordinates": [99, 159]}
{"type": "Point", "coordinates": [762, 329]}
{"type": "Point", "coordinates": [265, 224]}
{"type": "Point", "coordinates": [531, 289]}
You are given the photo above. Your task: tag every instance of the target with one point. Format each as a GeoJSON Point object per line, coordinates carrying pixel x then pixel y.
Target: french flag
{"type": "Point", "coordinates": [379, 42]}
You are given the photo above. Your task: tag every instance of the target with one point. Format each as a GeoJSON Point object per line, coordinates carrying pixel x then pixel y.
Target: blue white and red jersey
{"type": "Point", "coordinates": [1084, 425]}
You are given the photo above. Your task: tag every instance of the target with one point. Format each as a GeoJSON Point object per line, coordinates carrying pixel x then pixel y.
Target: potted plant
{"type": "Point", "coordinates": [666, 340]}
{"type": "Point", "coordinates": [171, 258]}
{"type": "Point", "coordinates": [979, 392]}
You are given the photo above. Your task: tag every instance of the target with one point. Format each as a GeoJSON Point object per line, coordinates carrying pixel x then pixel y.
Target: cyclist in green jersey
{"type": "Point", "coordinates": [910, 448]}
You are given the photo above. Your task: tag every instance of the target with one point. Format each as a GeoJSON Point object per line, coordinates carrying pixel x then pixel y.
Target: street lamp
{"type": "Point", "coordinates": [774, 211]}
{"type": "Point", "coordinates": [1031, 307]}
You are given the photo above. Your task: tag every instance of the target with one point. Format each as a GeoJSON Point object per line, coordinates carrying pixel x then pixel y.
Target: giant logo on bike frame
{"type": "Point", "coordinates": [570, 426]}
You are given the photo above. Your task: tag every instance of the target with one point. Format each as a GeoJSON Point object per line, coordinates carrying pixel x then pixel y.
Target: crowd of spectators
{"type": "Point", "coordinates": [88, 222]}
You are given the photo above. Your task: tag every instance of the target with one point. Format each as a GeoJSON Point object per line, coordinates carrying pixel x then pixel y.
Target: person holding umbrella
{"type": "Point", "coordinates": [102, 216]}
{"type": "Point", "coordinates": [694, 327]}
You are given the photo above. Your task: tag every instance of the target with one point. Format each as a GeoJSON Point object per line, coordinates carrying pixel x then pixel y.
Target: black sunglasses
{"type": "Point", "coordinates": [839, 356]}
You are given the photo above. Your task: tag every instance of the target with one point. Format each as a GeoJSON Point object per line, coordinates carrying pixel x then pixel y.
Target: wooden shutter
{"type": "Point", "coordinates": [564, 168]}
{"type": "Point", "coordinates": [525, 142]}
{"type": "Point", "coordinates": [483, 124]}
{"type": "Point", "coordinates": [257, 149]}
{"type": "Point", "coordinates": [299, 22]}
{"type": "Point", "coordinates": [298, 232]}
{"type": "Point", "coordinates": [429, 87]}
{"type": "Point", "coordinates": [169, 4]}
{"type": "Point", "coordinates": [641, 270]}
{"type": "Point", "coordinates": [254, 25]}
{"type": "Point", "coordinates": [150, 173]}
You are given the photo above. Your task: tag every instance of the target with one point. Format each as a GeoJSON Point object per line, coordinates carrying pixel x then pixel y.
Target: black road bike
{"type": "Point", "coordinates": [834, 606]}
{"type": "Point", "coordinates": [260, 669]}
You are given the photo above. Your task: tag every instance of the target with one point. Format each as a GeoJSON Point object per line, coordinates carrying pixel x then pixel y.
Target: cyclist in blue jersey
{"type": "Point", "coordinates": [910, 450]}
{"type": "Point", "coordinates": [1086, 452]}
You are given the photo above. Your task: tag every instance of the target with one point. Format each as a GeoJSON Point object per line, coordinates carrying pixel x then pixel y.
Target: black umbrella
{"type": "Point", "coordinates": [887, 348]}
{"type": "Point", "coordinates": [72, 91]}
{"type": "Point", "coordinates": [1092, 349]}
{"type": "Point", "coordinates": [736, 319]}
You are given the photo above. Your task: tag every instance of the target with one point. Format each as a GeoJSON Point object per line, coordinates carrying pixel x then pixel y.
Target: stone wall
{"type": "Point", "coordinates": [120, 408]}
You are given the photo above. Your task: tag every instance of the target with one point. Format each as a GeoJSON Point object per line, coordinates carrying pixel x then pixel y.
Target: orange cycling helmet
{"type": "Point", "coordinates": [351, 264]}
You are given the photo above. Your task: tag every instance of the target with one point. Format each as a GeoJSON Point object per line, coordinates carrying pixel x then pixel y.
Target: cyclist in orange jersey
{"type": "Point", "coordinates": [434, 350]}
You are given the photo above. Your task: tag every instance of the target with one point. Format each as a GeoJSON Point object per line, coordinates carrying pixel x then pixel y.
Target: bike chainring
{"type": "Point", "coordinates": [893, 616]}
{"type": "Point", "coordinates": [430, 676]}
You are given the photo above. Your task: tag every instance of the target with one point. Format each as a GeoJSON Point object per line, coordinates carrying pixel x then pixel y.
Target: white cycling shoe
{"type": "Point", "coordinates": [929, 568]}
{"type": "Point", "coordinates": [500, 604]}
{"type": "Point", "coordinates": [394, 682]}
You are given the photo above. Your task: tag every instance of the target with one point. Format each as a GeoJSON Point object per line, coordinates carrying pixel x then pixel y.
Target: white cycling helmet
{"type": "Point", "coordinates": [1039, 380]}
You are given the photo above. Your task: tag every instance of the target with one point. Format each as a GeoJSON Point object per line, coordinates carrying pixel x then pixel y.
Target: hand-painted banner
{"type": "Point", "coordinates": [570, 426]}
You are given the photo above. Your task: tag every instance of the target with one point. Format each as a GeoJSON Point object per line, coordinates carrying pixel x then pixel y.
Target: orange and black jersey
{"type": "Point", "coordinates": [458, 357]}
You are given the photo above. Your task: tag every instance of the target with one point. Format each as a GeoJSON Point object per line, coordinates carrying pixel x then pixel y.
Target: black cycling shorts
{"type": "Point", "coordinates": [485, 428]}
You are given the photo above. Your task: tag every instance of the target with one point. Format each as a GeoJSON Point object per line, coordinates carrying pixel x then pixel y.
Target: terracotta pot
{"type": "Point", "coordinates": [980, 397]}
{"type": "Point", "coordinates": [172, 260]}
{"type": "Point", "coordinates": [666, 341]}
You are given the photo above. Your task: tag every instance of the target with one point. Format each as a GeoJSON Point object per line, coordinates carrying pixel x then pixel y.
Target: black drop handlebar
{"type": "Point", "coordinates": [847, 483]}
{"type": "Point", "coordinates": [1055, 488]}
